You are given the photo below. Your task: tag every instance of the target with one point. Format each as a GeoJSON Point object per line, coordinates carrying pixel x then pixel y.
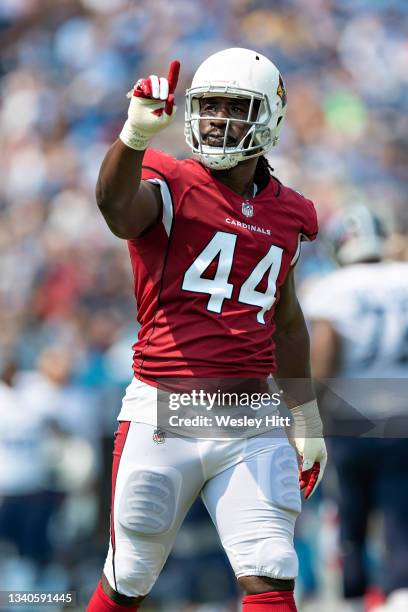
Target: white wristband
{"type": "Point", "coordinates": [307, 421]}
{"type": "Point", "coordinates": [133, 138]}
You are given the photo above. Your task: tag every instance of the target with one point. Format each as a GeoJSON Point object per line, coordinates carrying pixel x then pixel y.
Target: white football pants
{"type": "Point", "coordinates": [249, 487]}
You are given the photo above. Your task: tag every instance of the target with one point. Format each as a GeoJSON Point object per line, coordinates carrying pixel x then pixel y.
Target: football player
{"type": "Point", "coordinates": [213, 241]}
{"type": "Point", "coordinates": [359, 316]}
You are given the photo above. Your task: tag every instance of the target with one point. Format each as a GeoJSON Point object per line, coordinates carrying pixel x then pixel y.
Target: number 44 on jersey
{"type": "Point", "coordinates": [222, 245]}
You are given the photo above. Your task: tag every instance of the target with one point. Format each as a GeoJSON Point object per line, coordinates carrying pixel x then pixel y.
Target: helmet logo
{"type": "Point", "coordinates": [281, 92]}
{"type": "Point", "coordinates": [247, 209]}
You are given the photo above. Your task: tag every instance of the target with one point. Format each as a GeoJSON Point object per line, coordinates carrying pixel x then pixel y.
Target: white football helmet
{"type": "Point", "coordinates": [356, 234]}
{"type": "Point", "coordinates": [237, 73]}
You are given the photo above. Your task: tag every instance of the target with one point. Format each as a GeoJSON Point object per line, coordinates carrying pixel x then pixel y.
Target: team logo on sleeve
{"type": "Point", "coordinates": [247, 209]}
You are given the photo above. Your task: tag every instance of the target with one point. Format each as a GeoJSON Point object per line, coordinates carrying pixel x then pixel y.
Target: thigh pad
{"type": "Point", "coordinates": [149, 500]}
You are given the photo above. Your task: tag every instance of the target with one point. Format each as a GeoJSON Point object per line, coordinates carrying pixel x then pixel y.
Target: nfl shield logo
{"type": "Point", "coordinates": [158, 436]}
{"type": "Point", "coordinates": [247, 209]}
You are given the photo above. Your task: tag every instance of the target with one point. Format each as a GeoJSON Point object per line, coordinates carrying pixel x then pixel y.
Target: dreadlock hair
{"type": "Point", "coordinates": [263, 172]}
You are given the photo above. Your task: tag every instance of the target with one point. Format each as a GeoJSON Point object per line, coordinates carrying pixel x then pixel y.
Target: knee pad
{"type": "Point", "coordinates": [137, 566]}
{"type": "Point", "coordinates": [133, 568]}
{"type": "Point", "coordinates": [149, 500]}
{"type": "Point", "coordinates": [269, 555]}
{"type": "Point", "coordinates": [277, 558]}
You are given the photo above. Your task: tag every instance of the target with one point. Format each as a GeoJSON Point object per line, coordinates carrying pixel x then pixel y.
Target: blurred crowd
{"type": "Point", "coordinates": [67, 317]}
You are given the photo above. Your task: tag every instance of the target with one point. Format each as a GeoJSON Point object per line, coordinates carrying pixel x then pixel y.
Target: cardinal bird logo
{"type": "Point", "coordinates": [281, 92]}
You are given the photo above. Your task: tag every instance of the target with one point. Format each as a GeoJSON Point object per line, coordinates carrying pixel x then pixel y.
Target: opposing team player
{"type": "Point", "coordinates": [213, 241]}
{"type": "Point", "coordinates": [359, 316]}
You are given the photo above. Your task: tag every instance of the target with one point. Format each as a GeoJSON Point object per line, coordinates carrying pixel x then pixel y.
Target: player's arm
{"type": "Point", "coordinates": [325, 350]}
{"type": "Point", "coordinates": [292, 346]}
{"type": "Point", "coordinates": [128, 204]}
{"type": "Point", "coordinates": [294, 378]}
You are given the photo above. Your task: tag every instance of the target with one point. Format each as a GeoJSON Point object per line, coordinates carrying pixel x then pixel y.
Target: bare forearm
{"type": "Point", "coordinates": [118, 183]}
{"type": "Point", "coordinates": [120, 175]}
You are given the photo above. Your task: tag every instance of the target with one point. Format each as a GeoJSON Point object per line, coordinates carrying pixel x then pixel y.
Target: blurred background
{"type": "Point", "coordinates": [67, 317]}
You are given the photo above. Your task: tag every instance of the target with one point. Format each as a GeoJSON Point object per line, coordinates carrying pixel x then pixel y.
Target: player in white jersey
{"type": "Point", "coordinates": [359, 317]}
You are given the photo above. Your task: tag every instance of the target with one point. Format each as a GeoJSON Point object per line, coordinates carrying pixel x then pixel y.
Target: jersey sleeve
{"type": "Point", "coordinates": [158, 165]}
{"type": "Point", "coordinates": [161, 169]}
{"type": "Point", "coordinates": [310, 223]}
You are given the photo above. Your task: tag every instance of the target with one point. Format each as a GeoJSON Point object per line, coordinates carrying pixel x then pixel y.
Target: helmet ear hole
{"type": "Point", "coordinates": [279, 120]}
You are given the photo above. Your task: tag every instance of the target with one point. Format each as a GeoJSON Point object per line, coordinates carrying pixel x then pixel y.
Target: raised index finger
{"type": "Point", "coordinates": [173, 75]}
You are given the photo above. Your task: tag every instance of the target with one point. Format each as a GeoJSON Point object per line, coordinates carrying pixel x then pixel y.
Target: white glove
{"type": "Point", "coordinates": [151, 108]}
{"type": "Point", "coordinates": [306, 435]}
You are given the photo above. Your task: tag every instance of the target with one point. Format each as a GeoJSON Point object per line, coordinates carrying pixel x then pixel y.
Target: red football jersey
{"type": "Point", "coordinates": [207, 274]}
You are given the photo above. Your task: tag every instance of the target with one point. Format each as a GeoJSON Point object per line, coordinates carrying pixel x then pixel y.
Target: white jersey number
{"type": "Point", "coordinates": [222, 245]}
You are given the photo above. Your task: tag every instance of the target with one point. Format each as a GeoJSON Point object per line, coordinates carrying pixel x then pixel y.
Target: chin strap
{"type": "Point", "coordinates": [218, 162]}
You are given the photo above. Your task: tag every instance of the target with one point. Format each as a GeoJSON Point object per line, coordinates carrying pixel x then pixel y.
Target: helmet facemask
{"type": "Point", "coordinates": [256, 140]}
